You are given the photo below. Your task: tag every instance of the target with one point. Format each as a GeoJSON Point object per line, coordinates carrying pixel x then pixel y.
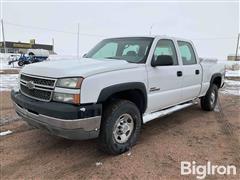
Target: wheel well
{"type": "Point", "coordinates": [135, 96]}
{"type": "Point", "coordinates": [217, 81]}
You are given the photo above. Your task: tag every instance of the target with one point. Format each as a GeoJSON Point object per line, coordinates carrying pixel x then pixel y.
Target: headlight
{"type": "Point", "coordinates": [68, 98]}
{"type": "Point", "coordinates": [70, 82]}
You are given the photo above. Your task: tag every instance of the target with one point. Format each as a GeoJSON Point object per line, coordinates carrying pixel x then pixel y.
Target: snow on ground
{"type": "Point", "coordinates": [230, 73]}
{"type": "Point", "coordinates": [4, 58]}
{"type": "Point", "coordinates": [99, 163]}
{"type": "Point", "coordinates": [5, 133]}
{"type": "Point", "coordinates": [8, 81]}
{"type": "Point", "coordinates": [231, 87]}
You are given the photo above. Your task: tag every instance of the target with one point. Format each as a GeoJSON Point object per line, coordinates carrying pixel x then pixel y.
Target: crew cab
{"type": "Point", "coordinates": [116, 87]}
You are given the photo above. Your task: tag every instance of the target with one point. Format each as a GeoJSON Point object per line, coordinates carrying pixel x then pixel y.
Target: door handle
{"type": "Point", "coordinates": [197, 71]}
{"type": "Point", "coordinates": [179, 73]}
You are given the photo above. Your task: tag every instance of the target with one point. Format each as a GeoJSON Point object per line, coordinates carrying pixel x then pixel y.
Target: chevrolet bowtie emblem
{"type": "Point", "coordinates": [30, 85]}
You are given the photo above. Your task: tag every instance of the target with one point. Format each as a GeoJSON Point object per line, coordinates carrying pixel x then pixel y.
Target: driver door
{"type": "Point", "coordinates": [164, 81]}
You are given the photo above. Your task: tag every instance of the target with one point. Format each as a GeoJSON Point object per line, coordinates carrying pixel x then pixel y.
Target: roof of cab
{"type": "Point", "coordinates": [153, 36]}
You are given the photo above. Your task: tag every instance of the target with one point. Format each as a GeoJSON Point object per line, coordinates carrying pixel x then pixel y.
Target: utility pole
{"type": "Point", "coordinates": [78, 42]}
{"type": "Point", "coordinates": [53, 44]}
{"type": "Point", "coordinates": [3, 36]}
{"type": "Point", "coordinates": [236, 55]}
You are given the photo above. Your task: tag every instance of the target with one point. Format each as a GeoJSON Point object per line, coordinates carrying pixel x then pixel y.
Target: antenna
{"type": "Point", "coordinates": [78, 42]}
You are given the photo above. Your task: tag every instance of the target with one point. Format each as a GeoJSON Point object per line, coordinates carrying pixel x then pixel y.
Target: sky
{"type": "Point", "coordinates": [212, 26]}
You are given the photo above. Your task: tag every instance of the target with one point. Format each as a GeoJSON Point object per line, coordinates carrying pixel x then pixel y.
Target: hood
{"type": "Point", "coordinates": [69, 68]}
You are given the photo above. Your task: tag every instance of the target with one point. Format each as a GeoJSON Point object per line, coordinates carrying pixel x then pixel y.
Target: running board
{"type": "Point", "coordinates": [158, 114]}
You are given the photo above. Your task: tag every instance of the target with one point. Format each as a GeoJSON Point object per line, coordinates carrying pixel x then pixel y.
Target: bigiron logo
{"type": "Point", "coordinates": [201, 171]}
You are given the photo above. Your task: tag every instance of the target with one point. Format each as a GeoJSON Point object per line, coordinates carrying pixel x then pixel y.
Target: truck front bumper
{"type": "Point", "coordinates": [64, 120]}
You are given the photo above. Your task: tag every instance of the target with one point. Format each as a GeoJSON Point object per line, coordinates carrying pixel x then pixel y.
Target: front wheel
{"type": "Point", "coordinates": [209, 101]}
{"type": "Point", "coordinates": [120, 127]}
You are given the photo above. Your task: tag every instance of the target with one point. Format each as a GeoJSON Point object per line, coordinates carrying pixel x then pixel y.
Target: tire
{"type": "Point", "coordinates": [20, 63]}
{"type": "Point", "coordinates": [120, 117]}
{"type": "Point", "coordinates": [209, 101]}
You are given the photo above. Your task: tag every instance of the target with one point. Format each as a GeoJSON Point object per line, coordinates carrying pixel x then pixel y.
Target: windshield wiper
{"type": "Point", "coordinates": [114, 58]}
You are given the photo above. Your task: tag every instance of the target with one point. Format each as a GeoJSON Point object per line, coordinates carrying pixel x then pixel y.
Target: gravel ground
{"type": "Point", "coordinates": [187, 135]}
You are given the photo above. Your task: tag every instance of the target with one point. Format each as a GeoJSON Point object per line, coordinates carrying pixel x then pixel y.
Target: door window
{"type": "Point", "coordinates": [165, 47]}
{"type": "Point", "coordinates": [187, 53]}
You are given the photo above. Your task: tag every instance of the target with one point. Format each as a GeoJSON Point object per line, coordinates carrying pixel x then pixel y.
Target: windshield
{"type": "Point", "coordinates": [131, 49]}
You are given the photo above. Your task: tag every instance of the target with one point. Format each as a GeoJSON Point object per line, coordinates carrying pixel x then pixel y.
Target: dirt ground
{"type": "Point", "coordinates": [10, 71]}
{"type": "Point", "coordinates": [187, 135]}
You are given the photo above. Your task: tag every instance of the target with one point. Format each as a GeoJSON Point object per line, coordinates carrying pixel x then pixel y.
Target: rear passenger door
{"type": "Point", "coordinates": [191, 70]}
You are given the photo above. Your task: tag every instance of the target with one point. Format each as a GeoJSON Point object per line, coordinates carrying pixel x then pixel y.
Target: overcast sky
{"type": "Point", "coordinates": [213, 27]}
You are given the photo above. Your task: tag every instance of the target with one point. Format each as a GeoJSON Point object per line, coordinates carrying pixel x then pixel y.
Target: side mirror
{"type": "Point", "coordinates": [84, 55]}
{"type": "Point", "coordinates": [162, 60]}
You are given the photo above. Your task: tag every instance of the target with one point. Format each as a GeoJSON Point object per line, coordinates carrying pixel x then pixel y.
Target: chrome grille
{"type": "Point", "coordinates": [35, 87]}
{"type": "Point", "coordinates": [45, 82]}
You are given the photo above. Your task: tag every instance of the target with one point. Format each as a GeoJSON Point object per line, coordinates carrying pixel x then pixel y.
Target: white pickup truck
{"type": "Point", "coordinates": [116, 87]}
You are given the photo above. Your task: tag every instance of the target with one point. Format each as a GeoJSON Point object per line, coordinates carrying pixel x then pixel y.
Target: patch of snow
{"type": "Point", "coordinates": [98, 164]}
{"type": "Point", "coordinates": [216, 109]}
{"type": "Point", "coordinates": [230, 92]}
{"type": "Point", "coordinates": [231, 87]}
{"type": "Point", "coordinates": [129, 153]}
{"type": "Point", "coordinates": [8, 81]}
{"type": "Point", "coordinates": [4, 58]}
{"type": "Point", "coordinates": [232, 83]}
{"type": "Point", "coordinates": [230, 73]}
{"type": "Point", "coordinates": [4, 133]}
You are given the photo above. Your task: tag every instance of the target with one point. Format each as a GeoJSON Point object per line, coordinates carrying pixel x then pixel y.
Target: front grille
{"type": "Point", "coordinates": [37, 87]}
{"type": "Point", "coordinates": [36, 93]}
{"type": "Point", "coordinates": [45, 82]}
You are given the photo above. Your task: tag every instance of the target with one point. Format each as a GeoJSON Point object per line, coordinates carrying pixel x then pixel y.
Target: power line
{"type": "Point", "coordinates": [40, 28]}
{"type": "Point", "coordinates": [52, 30]}
{"type": "Point", "coordinates": [95, 35]}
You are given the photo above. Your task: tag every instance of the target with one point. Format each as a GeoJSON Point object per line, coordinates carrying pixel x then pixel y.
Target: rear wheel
{"type": "Point", "coordinates": [120, 127]}
{"type": "Point", "coordinates": [209, 101]}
